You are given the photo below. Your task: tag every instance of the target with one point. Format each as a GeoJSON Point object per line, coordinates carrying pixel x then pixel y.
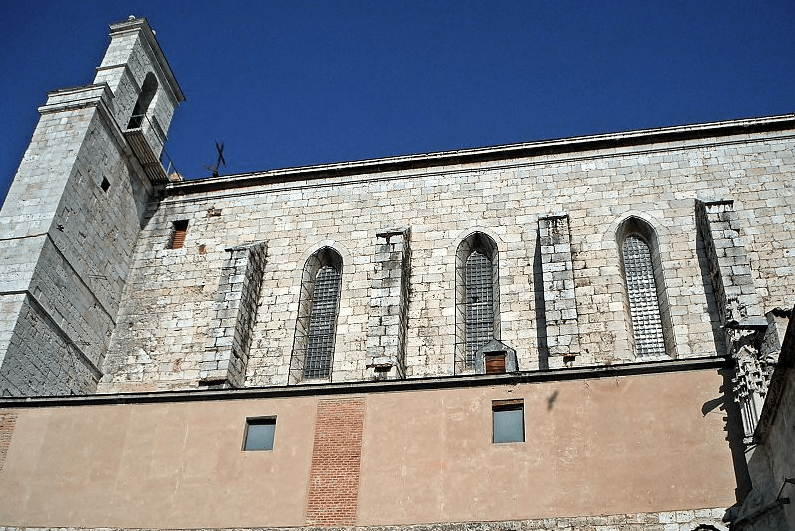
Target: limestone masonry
{"type": "Point", "coordinates": [627, 294]}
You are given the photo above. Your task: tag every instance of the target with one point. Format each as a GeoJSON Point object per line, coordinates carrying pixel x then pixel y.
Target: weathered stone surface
{"type": "Point", "coordinates": [236, 303]}
{"type": "Point", "coordinates": [389, 302]}
{"type": "Point", "coordinates": [691, 520]}
{"type": "Point", "coordinates": [560, 308]}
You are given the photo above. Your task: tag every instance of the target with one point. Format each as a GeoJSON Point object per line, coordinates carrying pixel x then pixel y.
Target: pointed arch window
{"type": "Point", "coordinates": [646, 300]}
{"type": "Point", "coordinates": [477, 297]}
{"type": "Point", "coordinates": [313, 351]}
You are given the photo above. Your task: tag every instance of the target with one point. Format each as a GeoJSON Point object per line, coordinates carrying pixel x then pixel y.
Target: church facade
{"type": "Point", "coordinates": [584, 333]}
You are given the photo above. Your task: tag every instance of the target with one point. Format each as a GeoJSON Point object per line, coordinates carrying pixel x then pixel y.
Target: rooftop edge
{"type": "Point", "coordinates": [781, 122]}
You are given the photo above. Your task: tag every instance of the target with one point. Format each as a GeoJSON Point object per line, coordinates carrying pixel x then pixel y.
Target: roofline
{"type": "Point", "coordinates": [765, 124]}
{"type": "Point", "coordinates": [381, 386]}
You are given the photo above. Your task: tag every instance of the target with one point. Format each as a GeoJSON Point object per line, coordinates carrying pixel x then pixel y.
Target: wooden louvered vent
{"type": "Point", "coordinates": [178, 234]}
{"type": "Point", "coordinates": [495, 363]}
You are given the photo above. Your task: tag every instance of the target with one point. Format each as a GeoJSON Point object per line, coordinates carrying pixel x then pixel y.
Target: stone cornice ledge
{"type": "Point", "coordinates": [782, 122]}
{"type": "Point", "coordinates": [444, 382]}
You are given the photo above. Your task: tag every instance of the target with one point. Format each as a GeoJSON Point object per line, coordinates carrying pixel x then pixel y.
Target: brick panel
{"type": "Point", "coordinates": [7, 422]}
{"type": "Point", "coordinates": [336, 461]}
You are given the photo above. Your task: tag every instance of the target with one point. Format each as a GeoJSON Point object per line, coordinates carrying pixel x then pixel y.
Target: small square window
{"type": "Point", "coordinates": [105, 184]}
{"type": "Point", "coordinates": [259, 434]}
{"type": "Point", "coordinates": [508, 418]}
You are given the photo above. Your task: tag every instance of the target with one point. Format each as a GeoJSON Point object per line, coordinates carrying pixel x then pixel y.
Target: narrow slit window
{"type": "Point", "coordinates": [178, 233]}
{"type": "Point", "coordinates": [508, 421]}
{"type": "Point", "coordinates": [477, 299]}
{"type": "Point", "coordinates": [313, 345]}
{"type": "Point", "coordinates": [259, 434]}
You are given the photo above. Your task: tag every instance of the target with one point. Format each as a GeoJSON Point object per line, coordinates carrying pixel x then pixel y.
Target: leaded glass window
{"type": "Point", "coordinates": [320, 337]}
{"type": "Point", "coordinates": [644, 305]}
{"type": "Point", "coordinates": [479, 304]}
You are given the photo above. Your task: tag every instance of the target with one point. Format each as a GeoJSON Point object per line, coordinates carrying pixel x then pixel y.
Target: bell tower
{"type": "Point", "coordinates": [145, 92]}
{"type": "Point", "coordinates": [73, 214]}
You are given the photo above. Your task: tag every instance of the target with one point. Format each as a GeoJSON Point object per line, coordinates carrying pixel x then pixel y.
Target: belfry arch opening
{"type": "Point", "coordinates": [145, 97]}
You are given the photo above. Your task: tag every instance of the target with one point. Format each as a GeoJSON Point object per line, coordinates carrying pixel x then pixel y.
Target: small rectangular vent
{"type": "Point", "coordinates": [495, 363]}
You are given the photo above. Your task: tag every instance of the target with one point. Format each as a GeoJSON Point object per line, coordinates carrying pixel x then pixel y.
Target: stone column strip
{"type": "Point", "coordinates": [560, 304]}
{"type": "Point", "coordinates": [389, 298]}
{"type": "Point", "coordinates": [235, 311]}
{"type": "Point", "coordinates": [740, 310]}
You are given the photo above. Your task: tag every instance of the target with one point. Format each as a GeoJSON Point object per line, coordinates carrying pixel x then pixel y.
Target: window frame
{"type": "Point", "coordinates": [502, 406]}
{"type": "Point", "coordinates": [324, 257]}
{"type": "Point", "coordinates": [635, 227]}
{"type": "Point", "coordinates": [269, 420]}
{"type": "Point", "coordinates": [485, 245]}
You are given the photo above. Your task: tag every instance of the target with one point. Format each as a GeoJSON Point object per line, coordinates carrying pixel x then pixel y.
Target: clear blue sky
{"type": "Point", "coordinates": [292, 83]}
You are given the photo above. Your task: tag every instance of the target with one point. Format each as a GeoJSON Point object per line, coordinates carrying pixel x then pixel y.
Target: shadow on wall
{"type": "Point", "coordinates": [712, 305]}
{"type": "Point", "coordinates": [541, 321]}
{"type": "Point", "coordinates": [734, 432]}
{"type": "Point", "coordinates": [551, 400]}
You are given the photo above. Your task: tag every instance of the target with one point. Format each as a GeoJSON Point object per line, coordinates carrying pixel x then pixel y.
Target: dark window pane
{"type": "Point", "coordinates": [509, 425]}
{"type": "Point", "coordinates": [259, 434]}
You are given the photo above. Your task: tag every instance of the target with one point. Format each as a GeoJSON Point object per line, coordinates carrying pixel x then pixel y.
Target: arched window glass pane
{"type": "Point", "coordinates": [479, 304]}
{"type": "Point", "coordinates": [320, 340]}
{"type": "Point", "coordinates": [644, 306]}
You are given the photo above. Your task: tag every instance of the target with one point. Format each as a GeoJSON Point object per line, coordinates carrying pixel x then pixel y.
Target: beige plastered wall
{"type": "Point", "coordinates": [593, 446]}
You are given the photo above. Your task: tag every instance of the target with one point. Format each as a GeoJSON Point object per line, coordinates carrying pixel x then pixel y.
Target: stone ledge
{"type": "Point", "coordinates": [380, 386]}
{"type": "Point", "coordinates": [695, 519]}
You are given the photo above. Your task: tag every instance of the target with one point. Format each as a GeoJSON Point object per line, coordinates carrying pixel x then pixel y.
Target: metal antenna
{"type": "Point", "coordinates": [220, 149]}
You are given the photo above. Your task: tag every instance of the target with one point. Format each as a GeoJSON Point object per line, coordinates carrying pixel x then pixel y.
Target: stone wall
{"type": "Point", "coordinates": [771, 458]}
{"type": "Point", "coordinates": [70, 260]}
{"type": "Point", "coordinates": [598, 189]}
